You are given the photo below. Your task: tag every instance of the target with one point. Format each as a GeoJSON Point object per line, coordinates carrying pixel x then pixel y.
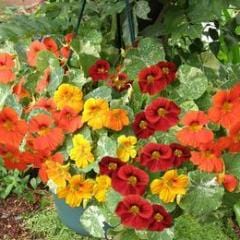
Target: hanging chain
{"type": "Point", "coordinates": [80, 16]}
{"type": "Point", "coordinates": [130, 21]}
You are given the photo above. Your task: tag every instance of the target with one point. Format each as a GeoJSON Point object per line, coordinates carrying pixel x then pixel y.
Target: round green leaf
{"type": "Point", "coordinates": [193, 82]}
{"type": "Point", "coordinates": [204, 195]}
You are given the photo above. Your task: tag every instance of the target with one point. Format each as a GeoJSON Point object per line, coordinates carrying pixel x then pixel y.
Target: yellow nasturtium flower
{"type": "Point", "coordinates": [95, 112]}
{"type": "Point", "coordinates": [78, 190]}
{"type": "Point", "coordinates": [126, 147]}
{"type": "Point", "coordinates": [68, 95]}
{"type": "Point", "coordinates": [102, 185]}
{"type": "Point", "coordinates": [81, 151]}
{"type": "Point", "coordinates": [57, 172]}
{"type": "Point", "coordinates": [169, 186]}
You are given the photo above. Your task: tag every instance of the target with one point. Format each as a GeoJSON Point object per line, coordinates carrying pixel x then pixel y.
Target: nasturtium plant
{"type": "Point", "coordinates": [128, 110]}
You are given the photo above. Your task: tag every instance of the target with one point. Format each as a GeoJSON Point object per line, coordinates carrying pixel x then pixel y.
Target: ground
{"type": "Point", "coordinates": [32, 217]}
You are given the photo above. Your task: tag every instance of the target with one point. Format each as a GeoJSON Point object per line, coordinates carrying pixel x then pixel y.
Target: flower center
{"type": "Point", "coordinates": [112, 166]}
{"type": "Point", "coordinates": [195, 127]}
{"type": "Point", "coordinates": [165, 70]}
{"type": "Point", "coordinates": [8, 125]}
{"type": "Point", "coordinates": [101, 70]}
{"type": "Point", "coordinates": [158, 217]}
{"type": "Point", "coordinates": [43, 131]}
{"type": "Point", "coordinates": [161, 112]}
{"type": "Point", "coordinates": [132, 180]}
{"type": "Point", "coordinates": [150, 79]}
{"type": "Point", "coordinates": [143, 124]}
{"type": "Point", "coordinates": [156, 155]}
{"type": "Point", "coordinates": [134, 209]}
{"type": "Point", "coordinates": [227, 107]}
{"type": "Point", "coordinates": [178, 153]}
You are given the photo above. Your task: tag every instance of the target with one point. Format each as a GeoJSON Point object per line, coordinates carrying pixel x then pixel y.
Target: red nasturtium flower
{"type": "Point", "coordinates": [12, 129]}
{"type": "Point", "coordinates": [230, 182]}
{"type": "Point", "coordinates": [110, 165]}
{"type": "Point", "coordinates": [6, 68]}
{"type": "Point", "coordinates": [169, 70]}
{"type": "Point", "coordinates": [151, 80]}
{"type": "Point", "coordinates": [156, 157]}
{"type": "Point", "coordinates": [34, 48]}
{"type": "Point", "coordinates": [44, 81]}
{"type": "Point", "coordinates": [69, 37]}
{"type": "Point", "coordinates": [130, 180]}
{"type": "Point", "coordinates": [119, 81]}
{"type": "Point", "coordinates": [141, 127]}
{"type": "Point", "coordinates": [46, 104]}
{"type": "Point", "coordinates": [68, 120]}
{"type": "Point", "coordinates": [194, 132]}
{"type": "Point", "coordinates": [162, 114]}
{"type": "Point", "coordinates": [208, 159]}
{"type": "Point", "coordinates": [19, 90]}
{"type": "Point", "coordinates": [233, 140]}
{"type": "Point", "coordinates": [160, 219]}
{"type": "Point", "coordinates": [44, 135]}
{"type": "Point", "coordinates": [51, 45]}
{"type": "Point", "coordinates": [100, 70]}
{"type": "Point", "coordinates": [226, 106]}
{"type": "Point", "coordinates": [6, 61]}
{"type": "Point", "coordinates": [12, 158]}
{"type": "Point", "coordinates": [134, 212]}
{"type": "Point", "coordinates": [180, 154]}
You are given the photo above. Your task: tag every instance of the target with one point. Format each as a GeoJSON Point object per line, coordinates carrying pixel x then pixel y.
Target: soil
{"type": "Point", "coordinates": [12, 210]}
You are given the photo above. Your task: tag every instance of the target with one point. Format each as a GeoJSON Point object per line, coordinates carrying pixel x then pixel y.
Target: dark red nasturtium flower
{"type": "Point", "coordinates": [141, 127]}
{"type": "Point", "coordinates": [151, 80]}
{"type": "Point", "coordinates": [169, 70]}
{"type": "Point", "coordinates": [160, 219]}
{"type": "Point", "coordinates": [162, 114]}
{"type": "Point", "coordinates": [134, 212]}
{"type": "Point", "coordinates": [130, 180]}
{"type": "Point", "coordinates": [180, 154]}
{"type": "Point", "coordinates": [156, 157]}
{"type": "Point", "coordinates": [100, 70]}
{"type": "Point", "coordinates": [119, 81]}
{"type": "Point", "coordinates": [109, 165]}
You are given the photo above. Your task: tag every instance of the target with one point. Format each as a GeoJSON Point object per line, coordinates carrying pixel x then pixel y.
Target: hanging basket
{"type": "Point", "coordinates": [69, 216]}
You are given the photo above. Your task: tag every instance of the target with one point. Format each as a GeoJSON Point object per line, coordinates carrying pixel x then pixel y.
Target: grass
{"type": "Point", "coordinates": [45, 225]}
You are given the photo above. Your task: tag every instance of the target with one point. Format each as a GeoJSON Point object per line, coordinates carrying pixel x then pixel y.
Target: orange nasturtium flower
{"type": "Point", "coordinates": [195, 132]}
{"type": "Point", "coordinates": [169, 186]}
{"type": "Point", "coordinates": [117, 119]}
{"type": "Point", "coordinates": [77, 191]}
{"type": "Point", "coordinates": [95, 112]}
{"type": "Point", "coordinates": [68, 95]}
{"type": "Point", "coordinates": [102, 185]}
{"type": "Point", "coordinates": [225, 108]}
{"type": "Point", "coordinates": [81, 151]}
{"type": "Point", "coordinates": [6, 68]}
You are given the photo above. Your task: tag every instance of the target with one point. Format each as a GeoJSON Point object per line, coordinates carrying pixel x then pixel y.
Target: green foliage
{"type": "Point", "coordinates": [93, 220]}
{"type": "Point", "coordinates": [46, 225]}
{"type": "Point", "coordinates": [237, 212]}
{"type": "Point", "coordinates": [186, 227]}
{"type": "Point", "coordinates": [149, 52]}
{"type": "Point", "coordinates": [232, 164]}
{"type": "Point", "coordinates": [204, 195]}
{"type": "Point", "coordinates": [11, 182]}
{"type": "Point", "coordinates": [193, 82]}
